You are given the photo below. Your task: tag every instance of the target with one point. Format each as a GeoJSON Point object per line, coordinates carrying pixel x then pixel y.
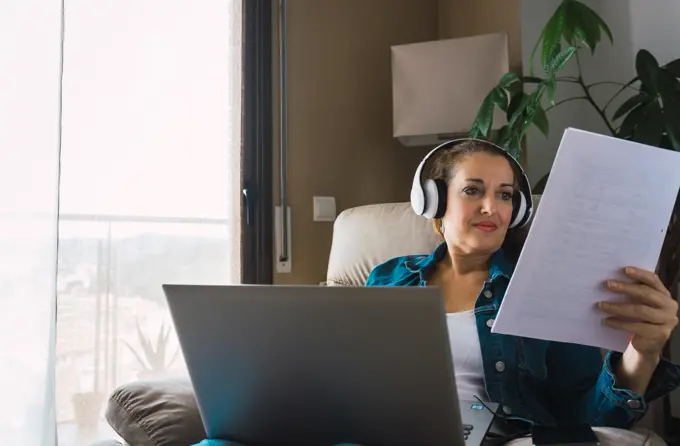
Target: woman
{"type": "Point", "coordinates": [475, 190]}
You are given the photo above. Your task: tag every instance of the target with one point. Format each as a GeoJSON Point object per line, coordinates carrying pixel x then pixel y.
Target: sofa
{"type": "Point", "coordinates": [164, 413]}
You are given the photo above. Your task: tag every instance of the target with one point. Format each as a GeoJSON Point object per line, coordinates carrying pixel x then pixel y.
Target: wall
{"type": "Point", "coordinates": [610, 63]}
{"type": "Point", "coordinates": [340, 114]}
{"type": "Point", "coordinates": [462, 18]}
{"type": "Point", "coordinates": [656, 28]}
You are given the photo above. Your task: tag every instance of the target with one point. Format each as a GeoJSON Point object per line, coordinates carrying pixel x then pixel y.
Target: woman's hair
{"type": "Point", "coordinates": [445, 165]}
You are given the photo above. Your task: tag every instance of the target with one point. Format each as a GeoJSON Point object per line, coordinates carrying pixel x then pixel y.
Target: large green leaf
{"type": "Point", "coordinates": [647, 69]}
{"type": "Point", "coordinates": [508, 79]}
{"type": "Point", "coordinates": [666, 142]}
{"type": "Point", "coordinates": [602, 25]}
{"type": "Point", "coordinates": [650, 126]}
{"type": "Point", "coordinates": [551, 86]}
{"type": "Point", "coordinates": [669, 89]}
{"type": "Point", "coordinates": [552, 34]}
{"type": "Point", "coordinates": [500, 98]}
{"type": "Point", "coordinates": [503, 135]}
{"type": "Point", "coordinates": [630, 124]}
{"type": "Point", "coordinates": [674, 67]}
{"type": "Point", "coordinates": [556, 50]}
{"type": "Point", "coordinates": [571, 22]}
{"type": "Point", "coordinates": [533, 52]}
{"type": "Point", "coordinates": [518, 104]}
{"type": "Point", "coordinates": [591, 23]}
{"type": "Point", "coordinates": [541, 121]}
{"type": "Point", "coordinates": [586, 30]}
{"type": "Point", "coordinates": [484, 118]}
{"type": "Point", "coordinates": [540, 186]}
{"type": "Point", "coordinates": [532, 79]}
{"type": "Point", "coordinates": [672, 120]}
{"type": "Point", "coordinates": [560, 60]}
{"type": "Point", "coordinates": [515, 146]}
{"type": "Point", "coordinates": [585, 38]}
{"type": "Point", "coordinates": [630, 104]}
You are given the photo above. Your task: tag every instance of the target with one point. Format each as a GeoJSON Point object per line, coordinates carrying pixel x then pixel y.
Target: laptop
{"type": "Point", "coordinates": [314, 365]}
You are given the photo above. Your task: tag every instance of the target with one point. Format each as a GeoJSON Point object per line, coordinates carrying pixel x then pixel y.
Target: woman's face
{"type": "Point", "coordinates": [479, 204]}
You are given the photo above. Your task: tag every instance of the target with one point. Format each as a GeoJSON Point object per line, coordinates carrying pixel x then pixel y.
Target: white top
{"type": "Point", "coordinates": [467, 355]}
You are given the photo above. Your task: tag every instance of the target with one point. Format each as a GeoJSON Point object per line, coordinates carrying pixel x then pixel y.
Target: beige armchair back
{"type": "Point", "coordinates": [365, 236]}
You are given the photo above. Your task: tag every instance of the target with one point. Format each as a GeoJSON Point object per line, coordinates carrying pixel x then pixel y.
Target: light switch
{"type": "Point", "coordinates": [324, 208]}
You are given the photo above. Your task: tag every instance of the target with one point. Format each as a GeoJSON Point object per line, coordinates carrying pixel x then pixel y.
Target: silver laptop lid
{"type": "Point", "coordinates": [319, 365]}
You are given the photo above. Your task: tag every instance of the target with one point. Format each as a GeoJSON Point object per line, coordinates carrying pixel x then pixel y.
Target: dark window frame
{"type": "Point", "coordinates": [256, 175]}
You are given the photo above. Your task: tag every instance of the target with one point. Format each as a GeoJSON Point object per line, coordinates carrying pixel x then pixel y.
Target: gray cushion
{"type": "Point", "coordinates": [156, 413]}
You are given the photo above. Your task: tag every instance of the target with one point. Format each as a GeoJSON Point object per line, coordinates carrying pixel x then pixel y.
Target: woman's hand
{"type": "Point", "coordinates": [649, 316]}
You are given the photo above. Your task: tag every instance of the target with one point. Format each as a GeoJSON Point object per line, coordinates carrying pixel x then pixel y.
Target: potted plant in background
{"type": "Point", "coordinates": [153, 359]}
{"type": "Point", "coordinates": [87, 408]}
{"type": "Point", "coordinates": [650, 114]}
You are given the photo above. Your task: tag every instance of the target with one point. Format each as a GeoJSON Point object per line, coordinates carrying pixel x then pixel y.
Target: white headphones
{"type": "Point", "coordinates": [428, 197]}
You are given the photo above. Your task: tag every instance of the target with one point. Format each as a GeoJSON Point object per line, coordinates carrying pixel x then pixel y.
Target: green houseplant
{"type": "Point", "coordinates": [650, 114]}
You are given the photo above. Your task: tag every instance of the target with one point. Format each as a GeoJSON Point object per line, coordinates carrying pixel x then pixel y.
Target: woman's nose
{"type": "Point", "coordinates": [488, 205]}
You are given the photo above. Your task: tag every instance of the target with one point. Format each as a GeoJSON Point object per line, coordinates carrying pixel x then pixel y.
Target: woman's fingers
{"type": "Point", "coordinates": [642, 293]}
{"type": "Point", "coordinates": [638, 312]}
{"type": "Point", "coordinates": [647, 278]}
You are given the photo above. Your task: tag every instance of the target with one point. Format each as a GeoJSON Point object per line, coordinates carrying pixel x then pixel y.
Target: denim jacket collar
{"type": "Point", "coordinates": [500, 266]}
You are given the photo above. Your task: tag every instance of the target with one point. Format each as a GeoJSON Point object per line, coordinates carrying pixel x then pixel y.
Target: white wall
{"type": "Point", "coordinates": [656, 28]}
{"type": "Point", "coordinates": [610, 63]}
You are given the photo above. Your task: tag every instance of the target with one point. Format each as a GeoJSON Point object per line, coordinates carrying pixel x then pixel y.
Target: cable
{"type": "Point", "coordinates": [493, 438]}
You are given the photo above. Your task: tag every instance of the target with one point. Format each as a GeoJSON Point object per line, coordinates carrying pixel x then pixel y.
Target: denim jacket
{"type": "Point", "coordinates": [542, 382]}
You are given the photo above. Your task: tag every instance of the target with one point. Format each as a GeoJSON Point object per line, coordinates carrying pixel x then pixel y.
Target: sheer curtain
{"type": "Point", "coordinates": [30, 70]}
{"type": "Point", "coordinates": [149, 189]}
{"type": "Point", "coordinates": [122, 177]}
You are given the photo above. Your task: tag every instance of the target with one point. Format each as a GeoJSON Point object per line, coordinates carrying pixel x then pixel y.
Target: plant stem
{"type": "Point", "coordinates": [599, 111]}
{"type": "Point", "coordinates": [570, 79]}
{"type": "Point", "coordinates": [590, 99]}
{"type": "Point", "coordinates": [612, 83]}
{"type": "Point", "coordinates": [563, 101]}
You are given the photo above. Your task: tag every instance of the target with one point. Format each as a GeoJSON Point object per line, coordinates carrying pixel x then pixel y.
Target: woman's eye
{"type": "Point", "coordinates": [471, 191]}
{"type": "Point", "coordinates": [506, 196]}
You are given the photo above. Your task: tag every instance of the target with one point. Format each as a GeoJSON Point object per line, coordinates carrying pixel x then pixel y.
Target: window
{"type": "Point", "coordinates": [151, 185]}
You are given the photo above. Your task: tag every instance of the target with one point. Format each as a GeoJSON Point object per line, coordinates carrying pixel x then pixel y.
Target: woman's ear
{"type": "Point", "coordinates": [437, 224]}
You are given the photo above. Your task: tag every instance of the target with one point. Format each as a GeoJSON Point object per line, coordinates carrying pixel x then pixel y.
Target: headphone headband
{"type": "Point", "coordinates": [428, 197]}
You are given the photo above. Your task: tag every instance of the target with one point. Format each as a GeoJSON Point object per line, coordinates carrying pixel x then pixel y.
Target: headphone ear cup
{"type": "Point", "coordinates": [442, 190]}
{"type": "Point", "coordinates": [516, 204]}
{"type": "Point", "coordinates": [431, 195]}
{"type": "Point", "coordinates": [519, 210]}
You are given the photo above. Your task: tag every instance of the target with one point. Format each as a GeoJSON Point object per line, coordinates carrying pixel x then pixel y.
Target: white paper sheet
{"type": "Point", "coordinates": [607, 205]}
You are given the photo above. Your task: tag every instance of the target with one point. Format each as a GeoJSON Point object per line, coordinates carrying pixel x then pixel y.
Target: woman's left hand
{"type": "Point", "coordinates": [651, 308]}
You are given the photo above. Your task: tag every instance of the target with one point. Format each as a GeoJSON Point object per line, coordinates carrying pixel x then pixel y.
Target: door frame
{"type": "Point", "coordinates": [256, 176]}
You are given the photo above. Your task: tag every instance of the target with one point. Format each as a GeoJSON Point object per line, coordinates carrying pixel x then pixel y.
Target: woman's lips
{"type": "Point", "coordinates": [486, 226]}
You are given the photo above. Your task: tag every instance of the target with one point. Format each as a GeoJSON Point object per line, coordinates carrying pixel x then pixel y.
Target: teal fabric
{"type": "Point", "coordinates": [231, 443]}
{"type": "Point", "coordinates": [217, 443]}
{"type": "Point", "coordinates": [541, 382]}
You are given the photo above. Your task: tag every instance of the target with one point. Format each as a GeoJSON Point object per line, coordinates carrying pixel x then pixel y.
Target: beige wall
{"type": "Point", "coordinates": [462, 18]}
{"type": "Point", "coordinates": [340, 104]}
{"type": "Point", "coordinates": [340, 114]}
